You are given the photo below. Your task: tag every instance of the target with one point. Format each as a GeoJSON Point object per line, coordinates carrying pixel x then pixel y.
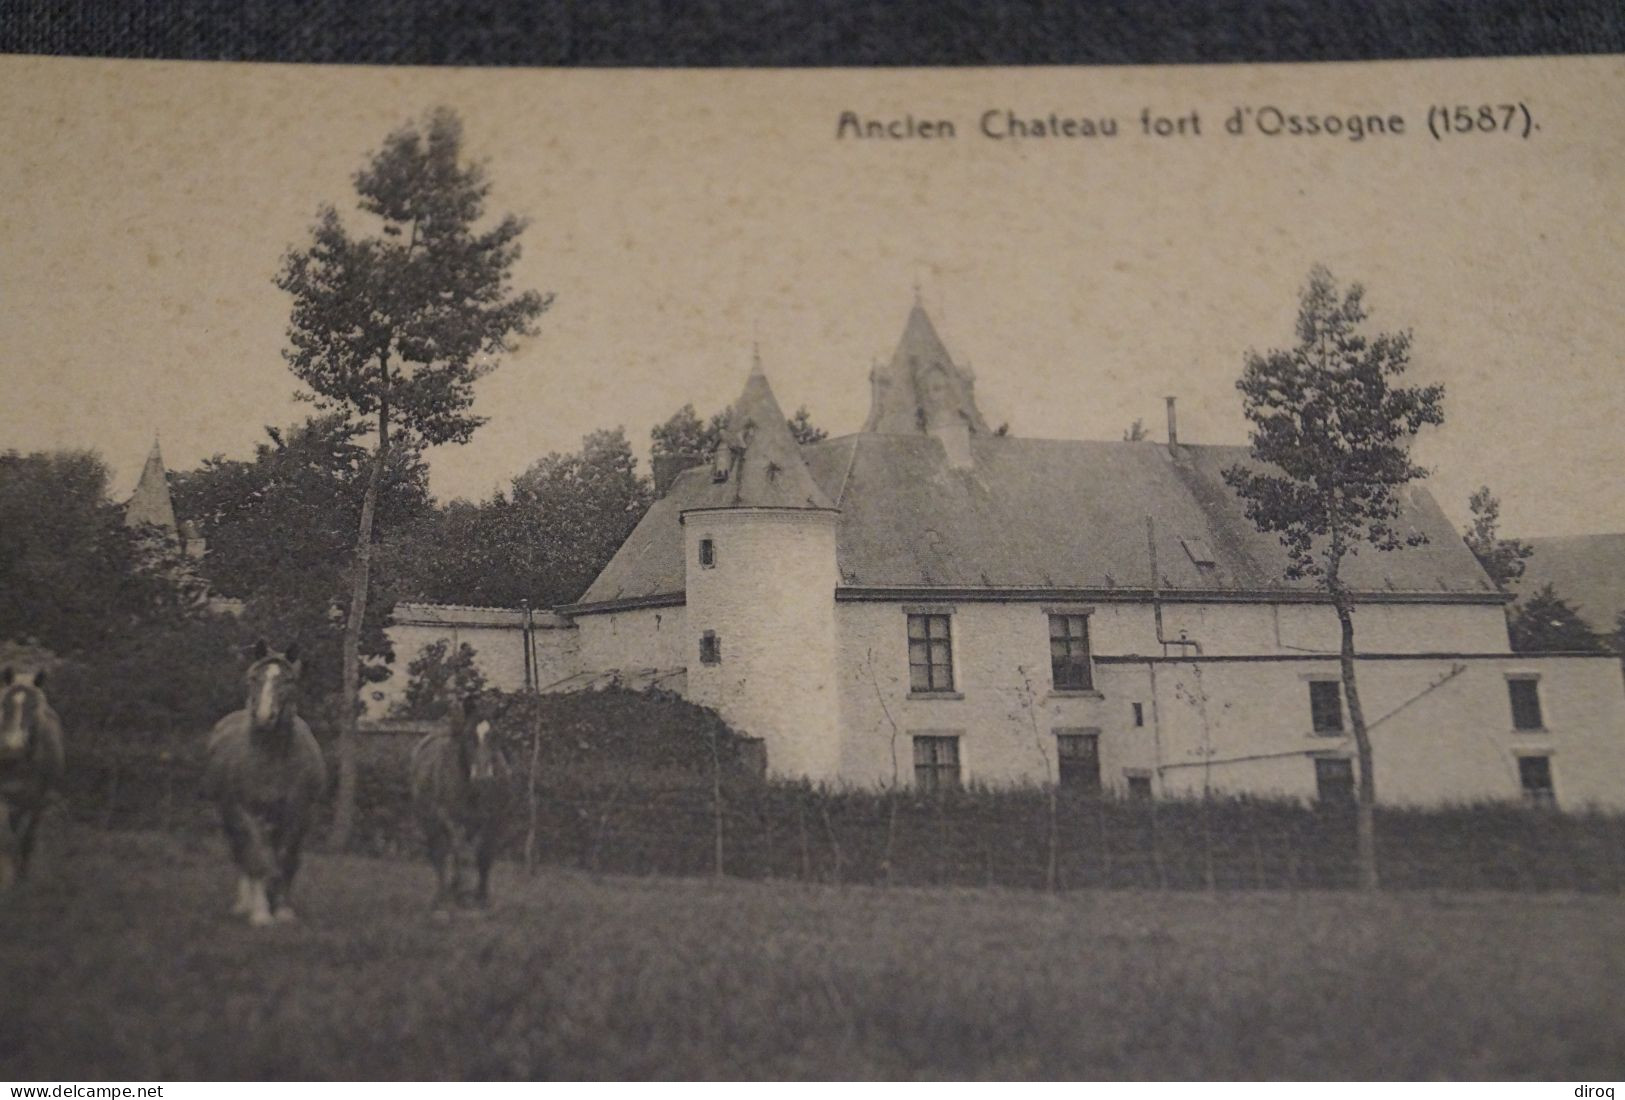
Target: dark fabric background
{"type": "Point", "coordinates": [802, 32]}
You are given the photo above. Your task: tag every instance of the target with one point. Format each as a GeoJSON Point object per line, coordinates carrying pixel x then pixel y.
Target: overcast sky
{"type": "Point", "coordinates": [680, 217]}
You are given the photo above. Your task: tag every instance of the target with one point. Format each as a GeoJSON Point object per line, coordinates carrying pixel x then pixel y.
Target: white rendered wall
{"type": "Point", "coordinates": [499, 654]}
{"type": "Point", "coordinates": [648, 637]}
{"type": "Point", "coordinates": [1226, 629]}
{"type": "Point", "coordinates": [1442, 726]}
{"type": "Point", "coordinates": [1441, 729]}
{"type": "Point", "coordinates": [770, 600]}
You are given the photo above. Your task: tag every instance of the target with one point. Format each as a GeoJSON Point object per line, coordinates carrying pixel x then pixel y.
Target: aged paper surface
{"type": "Point", "coordinates": [1117, 797]}
{"type": "Point", "coordinates": [683, 216]}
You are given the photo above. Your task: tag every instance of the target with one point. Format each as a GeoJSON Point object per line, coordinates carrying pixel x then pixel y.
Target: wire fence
{"type": "Point", "coordinates": [671, 822]}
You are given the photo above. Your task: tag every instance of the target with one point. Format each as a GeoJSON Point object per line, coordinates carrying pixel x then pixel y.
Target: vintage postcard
{"type": "Point", "coordinates": [1079, 574]}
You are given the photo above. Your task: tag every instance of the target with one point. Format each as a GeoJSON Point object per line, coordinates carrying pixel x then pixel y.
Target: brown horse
{"type": "Point", "coordinates": [265, 772]}
{"type": "Point", "coordinates": [460, 781]}
{"type": "Point", "coordinates": [31, 766]}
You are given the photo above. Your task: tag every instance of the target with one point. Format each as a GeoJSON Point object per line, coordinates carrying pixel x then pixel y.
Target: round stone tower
{"type": "Point", "coordinates": [760, 576]}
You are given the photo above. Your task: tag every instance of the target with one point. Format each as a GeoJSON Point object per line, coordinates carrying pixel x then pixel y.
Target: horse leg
{"type": "Point", "coordinates": [459, 865]}
{"type": "Point", "coordinates": [470, 888]}
{"type": "Point", "coordinates": [8, 848]}
{"type": "Point", "coordinates": [437, 835]}
{"type": "Point", "coordinates": [249, 852]}
{"type": "Point", "coordinates": [286, 840]}
{"type": "Point", "coordinates": [245, 896]}
{"type": "Point", "coordinates": [26, 835]}
{"type": "Point", "coordinates": [484, 854]}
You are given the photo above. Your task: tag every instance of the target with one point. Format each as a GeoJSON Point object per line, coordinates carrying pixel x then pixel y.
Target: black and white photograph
{"type": "Point", "coordinates": [1016, 574]}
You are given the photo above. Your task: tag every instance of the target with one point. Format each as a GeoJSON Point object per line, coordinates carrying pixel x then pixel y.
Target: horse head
{"type": "Point", "coordinates": [22, 707]}
{"type": "Point", "coordinates": [479, 747]}
{"type": "Point", "coordinates": [273, 685]}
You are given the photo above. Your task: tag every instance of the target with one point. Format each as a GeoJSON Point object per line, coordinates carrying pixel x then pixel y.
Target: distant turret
{"type": "Point", "coordinates": [151, 504]}
{"type": "Point", "coordinates": [922, 391]}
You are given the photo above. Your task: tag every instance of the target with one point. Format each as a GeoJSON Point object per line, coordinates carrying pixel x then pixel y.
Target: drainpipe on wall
{"type": "Point", "coordinates": [1156, 588]}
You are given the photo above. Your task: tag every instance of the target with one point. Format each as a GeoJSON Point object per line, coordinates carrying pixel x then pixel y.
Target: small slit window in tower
{"type": "Point", "coordinates": [708, 553]}
{"type": "Point", "coordinates": [710, 648]}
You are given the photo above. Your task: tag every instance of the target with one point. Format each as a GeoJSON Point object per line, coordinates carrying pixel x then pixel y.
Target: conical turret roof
{"type": "Point", "coordinates": [922, 388]}
{"type": "Point", "coordinates": [151, 502]}
{"type": "Point", "coordinates": [760, 465]}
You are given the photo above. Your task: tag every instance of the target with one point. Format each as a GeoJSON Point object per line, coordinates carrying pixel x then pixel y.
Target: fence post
{"type": "Point", "coordinates": [1156, 848]}
{"type": "Point", "coordinates": [891, 832]}
{"type": "Point", "coordinates": [1208, 878]}
{"type": "Point", "coordinates": [531, 799]}
{"type": "Point", "coordinates": [1052, 872]}
{"type": "Point", "coordinates": [1105, 842]}
{"type": "Point", "coordinates": [834, 843]}
{"type": "Point", "coordinates": [801, 828]}
{"type": "Point", "coordinates": [716, 803]}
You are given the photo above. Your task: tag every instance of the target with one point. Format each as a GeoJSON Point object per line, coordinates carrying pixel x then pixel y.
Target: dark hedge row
{"type": "Point", "coordinates": [654, 785]}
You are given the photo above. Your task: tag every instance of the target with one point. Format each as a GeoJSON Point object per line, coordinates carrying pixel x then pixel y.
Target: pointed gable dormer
{"type": "Point", "coordinates": [922, 390]}
{"type": "Point", "coordinates": [151, 503]}
{"type": "Point", "coordinates": [758, 464]}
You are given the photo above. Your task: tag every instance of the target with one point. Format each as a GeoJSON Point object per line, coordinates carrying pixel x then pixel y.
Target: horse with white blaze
{"type": "Point", "coordinates": [460, 788]}
{"type": "Point", "coordinates": [266, 773]}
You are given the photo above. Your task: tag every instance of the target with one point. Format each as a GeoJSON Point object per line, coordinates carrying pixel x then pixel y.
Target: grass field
{"type": "Point", "coordinates": [119, 961]}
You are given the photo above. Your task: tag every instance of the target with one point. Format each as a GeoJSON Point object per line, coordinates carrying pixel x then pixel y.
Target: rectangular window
{"type": "Point", "coordinates": [1334, 780]}
{"type": "Point", "coordinates": [708, 553]}
{"type": "Point", "coordinates": [936, 763]}
{"type": "Point", "coordinates": [1139, 714]}
{"type": "Point", "coordinates": [710, 648]}
{"type": "Point", "coordinates": [1139, 785]}
{"type": "Point", "coordinates": [1078, 752]}
{"type": "Point", "coordinates": [1525, 695]}
{"type": "Point", "coordinates": [1326, 705]}
{"type": "Point", "coordinates": [1069, 653]}
{"type": "Point", "coordinates": [930, 653]}
{"type": "Point", "coordinates": [1535, 776]}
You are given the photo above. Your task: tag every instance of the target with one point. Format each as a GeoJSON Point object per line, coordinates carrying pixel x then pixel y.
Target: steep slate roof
{"type": "Point", "coordinates": [765, 466]}
{"type": "Point", "coordinates": [151, 502]}
{"type": "Point", "coordinates": [1043, 514]}
{"type": "Point", "coordinates": [1586, 570]}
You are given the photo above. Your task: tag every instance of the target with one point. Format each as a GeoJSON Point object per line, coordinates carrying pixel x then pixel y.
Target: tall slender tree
{"type": "Point", "coordinates": [1331, 448]}
{"type": "Point", "coordinates": [393, 323]}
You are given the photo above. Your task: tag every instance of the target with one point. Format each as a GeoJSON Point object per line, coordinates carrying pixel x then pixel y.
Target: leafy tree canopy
{"type": "Point", "coordinates": [685, 434]}
{"type": "Point", "coordinates": [1331, 434]}
{"type": "Point", "coordinates": [73, 577]}
{"type": "Point", "coordinates": [543, 541]}
{"type": "Point", "coordinates": [1502, 559]}
{"type": "Point", "coordinates": [436, 676]}
{"type": "Point", "coordinates": [399, 324]}
{"type": "Point", "coordinates": [280, 526]}
{"type": "Point", "coordinates": [1545, 622]}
